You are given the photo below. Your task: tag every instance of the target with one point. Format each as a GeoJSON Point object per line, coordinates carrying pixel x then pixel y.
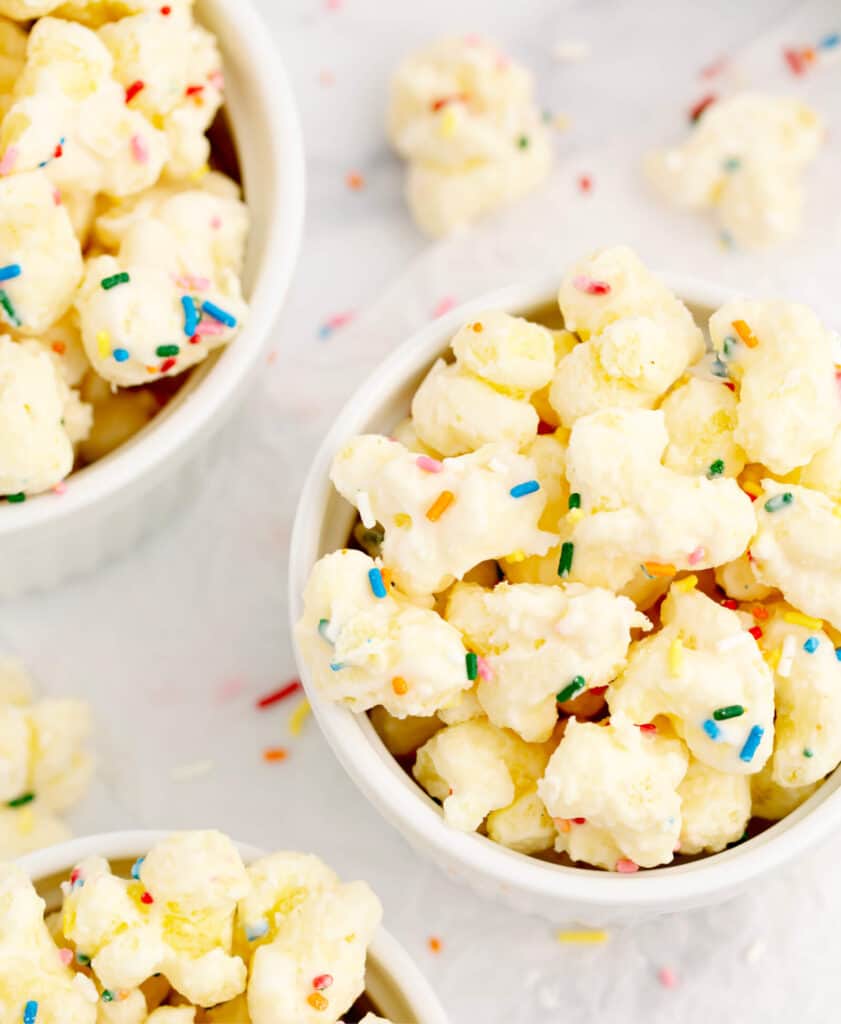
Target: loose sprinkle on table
{"type": "Point", "coordinates": [276, 696]}
{"type": "Point", "coordinates": [584, 938]}
{"type": "Point", "coordinates": [299, 717]}
{"type": "Point", "coordinates": [574, 686]}
{"type": "Point", "coordinates": [434, 943]}
{"type": "Point", "coordinates": [272, 754]}
{"type": "Point", "coordinates": [355, 181]}
{"type": "Point", "coordinates": [779, 501]}
{"type": "Point", "coordinates": [443, 306]}
{"type": "Point", "coordinates": [711, 729]}
{"type": "Point", "coordinates": [751, 743]}
{"type": "Point", "coordinates": [565, 561]}
{"type": "Point", "coordinates": [114, 279]}
{"type": "Point", "coordinates": [589, 286]}
{"type": "Point", "coordinates": [585, 182]}
{"type": "Point", "coordinates": [667, 977]}
{"type": "Point", "coordinates": [440, 506]}
{"type": "Point", "coordinates": [222, 315]}
{"type": "Point", "coordinates": [745, 333]}
{"type": "Point", "coordinates": [471, 663]}
{"type": "Point", "coordinates": [730, 711]}
{"type": "Point", "coordinates": [799, 619]}
{"type": "Point", "coordinates": [521, 490]}
{"type": "Point", "coordinates": [11, 270]}
{"type": "Point", "coordinates": [702, 104]}
{"type": "Point", "coordinates": [811, 645]}
{"type": "Point", "coordinates": [190, 771]}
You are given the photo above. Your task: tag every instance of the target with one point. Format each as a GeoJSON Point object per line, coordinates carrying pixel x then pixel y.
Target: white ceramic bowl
{"type": "Point", "coordinates": [560, 893]}
{"type": "Point", "coordinates": [109, 505]}
{"type": "Point", "coordinates": [393, 982]}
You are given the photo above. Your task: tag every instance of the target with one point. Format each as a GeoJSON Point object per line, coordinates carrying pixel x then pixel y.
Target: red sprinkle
{"type": "Point", "coordinates": [728, 602]}
{"type": "Point", "coordinates": [322, 981]}
{"type": "Point", "coordinates": [730, 384]}
{"type": "Point", "coordinates": [458, 97]}
{"type": "Point", "coordinates": [591, 287]}
{"type": "Point", "coordinates": [167, 364]}
{"type": "Point", "coordinates": [59, 347]}
{"type": "Point", "coordinates": [579, 821]}
{"type": "Point", "coordinates": [702, 104]}
{"type": "Point", "coordinates": [147, 898]}
{"type": "Point", "coordinates": [795, 61]}
{"type": "Point", "coordinates": [193, 90]}
{"type": "Point", "coordinates": [597, 691]}
{"type": "Point", "coordinates": [755, 632]}
{"type": "Point", "coordinates": [585, 183]}
{"type": "Point", "coordinates": [545, 428]}
{"type": "Point", "coordinates": [195, 339]}
{"type": "Point", "coordinates": [276, 696]}
{"type": "Point", "coordinates": [715, 68]}
{"type": "Point", "coordinates": [58, 151]}
{"type": "Point", "coordinates": [647, 727]}
{"type": "Point", "coordinates": [75, 875]}
{"type": "Point", "coordinates": [444, 306]}
{"type": "Point", "coordinates": [133, 90]}
{"type": "Point", "coordinates": [166, 10]}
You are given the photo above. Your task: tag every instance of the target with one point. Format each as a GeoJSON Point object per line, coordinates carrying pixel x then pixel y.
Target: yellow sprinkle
{"type": "Point", "coordinates": [676, 657]}
{"type": "Point", "coordinates": [799, 619]}
{"type": "Point", "coordinates": [516, 556]}
{"type": "Point", "coordinates": [103, 343]}
{"type": "Point", "coordinates": [686, 584]}
{"type": "Point", "coordinates": [575, 515]}
{"type": "Point", "coordinates": [584, 938]}
{"type": "Point", "coordinates": [448, 124]}
{"type": "Point", "coordinates": [772, 658]}
{"type": "Point", "coordinates": [402, 519]}
{"type": "Point", "coordinates": [749, 487]}
{"type": "Point", "coordinates": [199, 173]}
{"type": "Point", "coordinates": [298, 717]}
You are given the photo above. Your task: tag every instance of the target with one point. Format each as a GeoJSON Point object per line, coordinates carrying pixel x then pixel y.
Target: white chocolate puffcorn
{"type": "Point", "coordinates": [715, 808]}
{"type": "Point", "coordinates": [463, 115]}
{"type": "Point", "coordinates": [704, 672]}
{"type": "Point", "coordinates": [501, 361]}
{"type": "Point", "coordinates": [442, 518]}
{"type": "Point", "coordinates": [369, 645]}
{"type": "Point", "coordinates": [535, 641]}
{"type": "Point", "coordinates": [744, 159]}
{"type": "Point", "coordinates": [781, 359]}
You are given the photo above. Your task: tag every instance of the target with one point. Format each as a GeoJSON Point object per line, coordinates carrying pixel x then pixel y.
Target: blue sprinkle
{"type": "Point", "coordinates": [375, 578]}
{"type": "Point", "coordinates": [135, 868]}
{"type": "Point", "coordinates": [219, 314]}
{"type": "Point", "coordinates": [838, 653]}
{"type": "Point", "coordinates": [191, 315]}
{"type": "Point", "coordinates": [830, 42]}
{"type": "Point", "coordinates": [711, 729]}
{"type": "Point", "coordinates": [521, 490]}
{"type": "Point", "coordinates": [336, 666]}
{"type": "Point", "coordinates": [811, 645]}
{"type": "Point", "coordinates": [30, 1012]}
{"type": "Point", "coordinates": [9, 271]}
{"type": "Point", "coordinates": [719, 369]}
{"type": "Point", "coordinates": [120, 354]}
{"type": "Point", "coordinates": [257, 931]}
{"type": "Point", "coordinates": [751, 743]}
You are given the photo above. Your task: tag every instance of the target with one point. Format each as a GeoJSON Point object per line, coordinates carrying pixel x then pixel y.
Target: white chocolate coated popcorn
{"type": "Point", "coordinates": [474, 768]}
{"type": "Point", "coordinates": [12, 57]}
{"type": "Point", "coordinates": [534, 640]}
{"type": "Point", "coordinates": [701, 418]}
{"type": "Point", "coordinates": [823, 471]}
{"type": "Point", "coordinates": [315, 928]}
{"type": "Point", "coordinates": [738, 580]}
{"type": "Point", "coordinates": [744, 159]}
{"type": "Point", "coordinates": [464, 117]}
{"type": "Point", "coordinates": [37, 238]}
{"type": "Point", "coordinates": [797, 548]}
{"type": "Point", "coordinates": [700, 661]}
{"type": "Point", "coordinates": [69, 115]}
{"type": "Point", "coordinates": [366, 650]}
{"type": "Point", "coordinates": [31, 969]}
{"type": "Point", "coordinates": [622, 781]}
{"type": "Point", "coordinates": [501, 361]}
{"type": "Point", "coordinates": [715, 808]}
{"type": "Point", "coordinates": [637, 510]}
{"type": "Point", "coordinates": [40, 418]}
{"type": "Point", "coordinates": [772, 801]}
{"type": "Point", "coordinates": [789, 402]}
{"type": "Point", "coordinates": [432, 540]}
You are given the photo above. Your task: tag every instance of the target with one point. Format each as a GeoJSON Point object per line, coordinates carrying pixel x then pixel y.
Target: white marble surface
{"type": "Point", "coordinates": [157, 639]}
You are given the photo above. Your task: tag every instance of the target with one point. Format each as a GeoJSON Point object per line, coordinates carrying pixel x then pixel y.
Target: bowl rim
{"type": "Point", "coordinates": [245, 32]}
{"type": "Point", "coordinates": [698, 881]}
{"type": "Point", "coordinates": [389, 954]}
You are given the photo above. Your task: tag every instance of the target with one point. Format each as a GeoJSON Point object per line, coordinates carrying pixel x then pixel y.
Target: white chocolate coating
{"type": "Point", "coordinates": [702, 659]}
{"type": "Point", "coordinates": [744, 159]}
{"type": "Point", "coordinates": [738, 580]}
{"type": "Point", "coordinates": [772, 801]}
{"type": "Point", "coordinates": [823, 471]}
{"type": "Point", "coordinates": [715, 808]}
{"type": "Point", "coordinates": [701, 417]}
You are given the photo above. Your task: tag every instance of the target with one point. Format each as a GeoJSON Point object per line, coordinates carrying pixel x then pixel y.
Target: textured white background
{"type": "Point", "coordinates": [159, 638]}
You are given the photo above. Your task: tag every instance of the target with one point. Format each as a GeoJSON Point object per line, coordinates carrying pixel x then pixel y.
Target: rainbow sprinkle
{"type": "Point", "coordinates": [589, 286]}
{"type": "Point", "coordinates": [135, 868]}
{"type": "Point", "coordinates": [120, 354]}
{"type": "Point", "coordinates": [10, 271]}
{"type": "Point", "coordinates": [779, 501]}
{"type": "Point", "coordinates": [428, 464]}
{"type": "Point", "coordinates": [583, 938]}
{"type": "Point", "coordinates": [574, 500]}
{"type": "Point", "coordinates": [716, 469]}
{"type": "Point", "coordinates": [299, 717]}
{"type": "Point", "coordinates": [745, 333]}
{"type": "Point", "coordinates": [625, 866]}
{"type": "Point", "coordinates": [9, 309]}
{"type": "Point", "coordinates": [521, 490]}
{"type": "Point", "coordinates": [30, 1012]}
{"type": "Point", "coordinates": [440, 506]}
{"type": "Point", "coordinates": [731, 711]}
{"type": "Point", "coordinates": [280, 694]}
{"type": "Point", "coordinates": [223, 316]}
{"type": "Point", "coordinates": [471, 663]}
{"type": "Point", "coordinates": [565, 561]}
{"type": "Point", "coordinates": [167, 350]}
{"type": "Point", "coordinates": [191, 315]}
{"type": "Point", "coordinates": [751, 743]}
{"type": "Point", "coordinates": [256, 931]}
{"type": "Point", "coordinates": [711, 729]}
{"type": "Point", "coordinates": [811, 645]}
{"type": "Point", "coordinates": [114, 279]}
{"type": "Point", "coordinates": [799, 619]}
{"type": "Point", "coordinates": [21, 801]}
{"type": "Point", "coordinates": [574, 686]}
{"type": "Point", "coordinates": [375, 578]}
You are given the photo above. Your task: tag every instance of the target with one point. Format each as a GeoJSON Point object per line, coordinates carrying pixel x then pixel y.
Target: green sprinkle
{"type": "Point", "coordinates": [16, 499]}
{"type": "Point", "coordinates": [574, 686]}
{"type": "Point", "coordinates": [728, 346]}
{"type": "Point", "coordinates": [565, 561]}
{"type": "Point", "coordinates": [779, 501]}
{"type": "Point", "coordinates": [574, 500]}
{"type": "Point", "coordinates": [167, 350]}
{"type": "Point", "coordinates": [107, 996]}
{"type": "Point", "coordinates": [808, 752]}
{"type": "Point", "coordinates": [82, 959]}
{"type": "Point", "coordinates": [21, 801]}
{"type": "Point", "coordinates": [114, 280]}
{"type": "Point", "coordinates": [472, 663]}
{"type": "Point", "coordinates": [523, 142]}
{"type": "Point", "coordinates": [732, 163]}
{"type": "Point", "coordinates": [716, 469]}
{"type": "Point", "coordinates": [731, 711]}
{"type": "Point", "coordinates": [9, 309]}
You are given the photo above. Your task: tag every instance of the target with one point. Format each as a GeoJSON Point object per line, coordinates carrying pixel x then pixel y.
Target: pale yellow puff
{"type": "Point", "coordinates": [715, 808]}
{"type": "Point", "coordinates": [129, 1008]}
{"type": "Point", "coordinates": [407, 435]}
{"type": "Point", "coordinates": [701, 659]}
{"type": "Point", "coordinates": [565, 341]}
{"type": "Point", "coordinates": [63, 343]}
{"type": "Point", "coordinates": [622, 781]}
{"type": "Point", "coordinates": [23, 10]}
{"type": "Point", "coordinates": [172, 1015]}
{"type": "Point", "coordinates": [772, 801]}
{"type": "Point", "coordinates": [459, 516]}
{"type": "Point", "coordinates": [474, 768]}
{"type": "Point", "coordinates": [744, 159]}
{"type": "Point", "coordinates": [403, 736]}
{"type": "Point", "coordinates": [587, 843]}
{"type": "Point", "coordinates": [534, 640]}
{"type": "Point", "coordinates": [117, 415]}
{"type": "Point", "coordinates": [823, 471]}
{"type": "Point", "coordinates": [96, 13]}
{"type": "Point", "coordinates": [549, 454]}
{"type": "Point", "coordinates": [524, 825]}
{"type": "Point", "coordinates": [789, 404]}
{"type": "Point", "coordinates": [366, 651]}
{"type": "Point", "coordinates": [797, 549]}
{"type": "Point", "coordinates": [465, 707]}
{"type": "Point", "coordinates": [738, 580]}
{"type": "Point", "coordinates": [700, 418]}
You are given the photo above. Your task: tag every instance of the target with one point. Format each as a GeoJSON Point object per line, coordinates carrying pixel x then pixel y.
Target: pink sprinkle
{"type": "Point", "coordinates": [56, 197]}
{"type": "Point", "coordinates": [676, 847]}
{"type": "Point", "coordinates": [472, 39]}
{"type": "Point", "coordinates": [60, 487]}
{"type": "Point", "coordinates": [209, 327]}
{"type": "Point", "coordinates": [189, 282]}
{"type": "Point", "coordinates": [591, 287]}
{"type": "Point", "coordinates": [230, 689]}
{"type": "Point", "coordinates": [717, 66]}
{"type": "Point", "coordinates": [9, 160]}
{"type": "Point", "coordinates": [339, 319]}
{"type": "Point", "coordinates": [217, 80]}
{"type": "Point", "coordinates": [697, 555]}
{"type": "Point", "coordinates": [667, 977]}
{"type": "Point", "coordinates": [326, 77]}
{"type": "Point", "coordinates": [216, 222]}
{"type": "Point", "coordinates": [484, 669]}
{"type": "Point", "coordinates": [334, 5]}
{"type": "Point", "coordinates": [139, 149]}
{"type": "Point", "coordinates": [626, 867]}
{"type": "Point", "coordinates": [444, 306]}
{"type": "Point", "coordinates": [428, 464]}
{"type": "Point", "coordinates": [75, 875]}
{"type": "Point", "coordinates": [66, 956]}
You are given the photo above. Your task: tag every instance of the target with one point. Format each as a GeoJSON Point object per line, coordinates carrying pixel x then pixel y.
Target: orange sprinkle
{"type": "Point", "coordinates": [760, 612]}
{"type": "Point", "coordinates": [659, 569]}
{"type": "Point", "coordinates": [435, 944]}
{"type": "Point", "coordinates": [751, 488]}
{"type": "Point", "coordinates": [478, 328]}
{"type": "Point", "coordinates": [271, 754]}
{"type": "Point", "coordinates": [317, 1001]}
{"type": "Point", "coordinates": [399, 685]}
{"type": "Point", "coordinates": [440, 506]}
{"type": "Point", "coordinates": [386, 577]}
{"type": "Point", "coordinates": [745, 333]}
{"type": "Point", "coordinates": [355, 181]}
{"type": "Point", "coordinates": [59, 347]}
{"type": "Point", "coordinates": [563, 824]}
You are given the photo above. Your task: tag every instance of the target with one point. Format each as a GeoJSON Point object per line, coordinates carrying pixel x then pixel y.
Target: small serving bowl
{"type": "Point", "coordinates": [555, 891]}
{"type": "Point", "coordinates": [393, 983]}
{"type": "Point", "coordinates": [109, 505]}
